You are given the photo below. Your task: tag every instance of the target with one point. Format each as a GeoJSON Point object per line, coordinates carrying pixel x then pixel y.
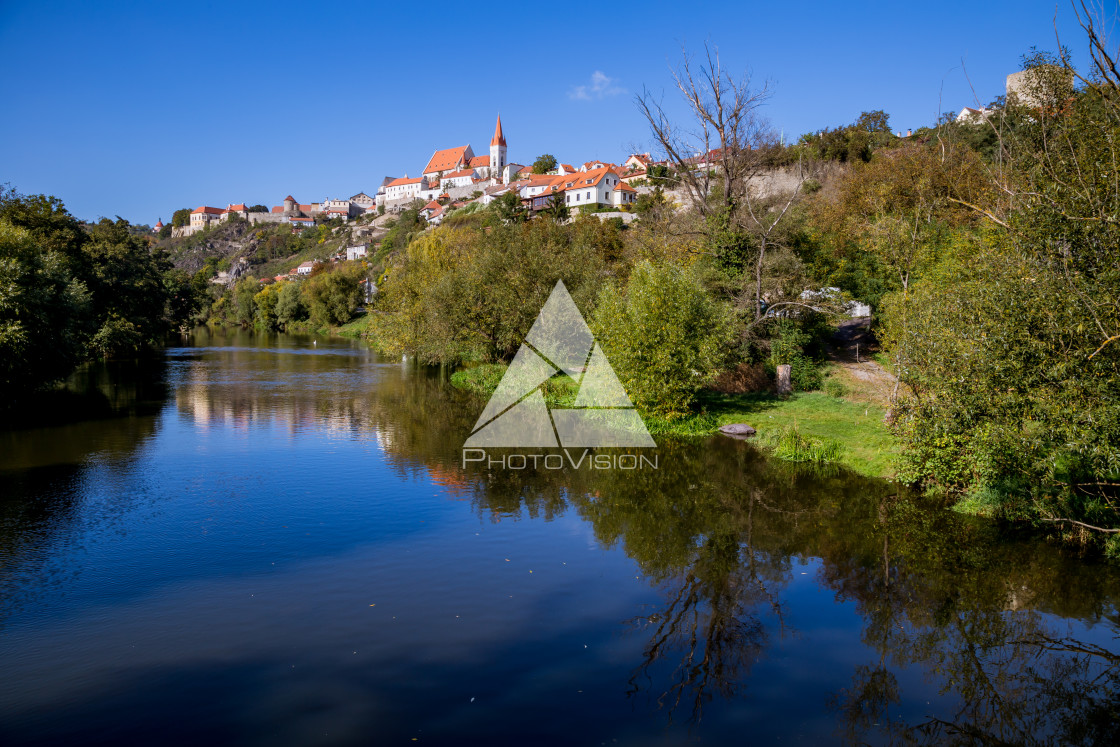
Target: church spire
{"type": "Point", "coordinates": [499, 138]}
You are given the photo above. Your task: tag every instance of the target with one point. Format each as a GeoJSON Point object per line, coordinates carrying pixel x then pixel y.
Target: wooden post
{"type": "Point", "coordinates": [785, 387]}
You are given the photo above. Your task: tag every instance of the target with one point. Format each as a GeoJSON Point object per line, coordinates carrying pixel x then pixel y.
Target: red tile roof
{"type": "Point", "coordinates": [402, 181]}
{"type": "Point", "coordinates": [479, 161]}
{"type": "Point", "coordinates": [278, 209]}
{"type": "Point", "coordinates": [289, 198]}
{"type": "Point", "coordinates": [240, 207]}
{"type": "Point", "coordinates": [455, 174]}
{"type": "Point", "coordinates": [445, 160]}
{"type": "Point", "coordinates": [499, 137]}
{"type": "Point", "coordinates": [208, 210]}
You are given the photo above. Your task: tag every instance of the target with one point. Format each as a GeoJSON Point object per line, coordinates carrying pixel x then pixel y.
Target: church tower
{"type": "Point", "coordinates": [498, 151]}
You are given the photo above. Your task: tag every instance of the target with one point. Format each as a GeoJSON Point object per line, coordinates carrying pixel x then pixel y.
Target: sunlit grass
{"type": "Point", "coordinates": [865, 443]}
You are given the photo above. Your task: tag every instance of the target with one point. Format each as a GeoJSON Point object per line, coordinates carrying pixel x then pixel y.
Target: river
{"type": "Point", "coordinates": [273, 540]}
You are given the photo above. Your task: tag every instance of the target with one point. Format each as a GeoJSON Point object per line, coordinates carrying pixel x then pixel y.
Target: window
{"type": "Point", "coordinates": [589, 195]}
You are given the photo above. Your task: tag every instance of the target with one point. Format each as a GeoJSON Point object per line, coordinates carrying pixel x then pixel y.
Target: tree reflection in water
{"type": "Point", "coordinates": [1018, 636]}
{"type": "Point", "coordinates": [718, 528]}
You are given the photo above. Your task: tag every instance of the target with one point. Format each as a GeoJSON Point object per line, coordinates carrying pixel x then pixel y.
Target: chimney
{"type": "Point", "coordinates": [908, 133]}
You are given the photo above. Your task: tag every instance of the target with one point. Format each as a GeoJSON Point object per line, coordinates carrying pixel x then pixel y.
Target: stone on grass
{"type": "Point", "coordinates": [738, 430]}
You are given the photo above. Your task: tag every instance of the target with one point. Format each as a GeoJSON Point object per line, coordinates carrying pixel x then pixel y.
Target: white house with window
{"type": "Point", "coordinates": [405, 188]}
{"type": "Point", "coordinates": [602, 186]}
{"type": "Point", "coordinates": [356, 252]}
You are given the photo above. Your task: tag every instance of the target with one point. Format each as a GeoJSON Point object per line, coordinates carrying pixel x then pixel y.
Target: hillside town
{"type": "Point", "coordinates": [452, 178]}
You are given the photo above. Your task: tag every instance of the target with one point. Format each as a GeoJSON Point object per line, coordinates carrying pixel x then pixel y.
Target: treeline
{"type": "Point", "coordinates": [71, 291]}
{"type": "Point", "coordinates": [329, 297]}
{"type": "Point", "coordinates": [990, 252]}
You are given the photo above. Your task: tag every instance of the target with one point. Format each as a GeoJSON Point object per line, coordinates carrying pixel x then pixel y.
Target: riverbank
{"type": "Point", "coordinates": [866, 444]}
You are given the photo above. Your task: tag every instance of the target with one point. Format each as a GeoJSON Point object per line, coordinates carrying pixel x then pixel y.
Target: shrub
{"type": "Point", "coordinates": [665, 335]}
{"type": "Point", "coordinates": [791, 444]}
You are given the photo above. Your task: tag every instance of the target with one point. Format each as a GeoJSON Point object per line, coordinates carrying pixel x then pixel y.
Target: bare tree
{"type": "Point", "coordinates": [720, 156]}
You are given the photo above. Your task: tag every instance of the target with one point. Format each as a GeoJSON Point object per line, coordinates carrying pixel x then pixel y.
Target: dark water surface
{"type": "Point", "coordinates": [270, 540]}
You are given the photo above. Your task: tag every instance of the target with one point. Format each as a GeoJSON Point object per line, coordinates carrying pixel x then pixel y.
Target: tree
{"type": "Point", "coordinates": [258, 209]}
{"type": "Point", "coordinates": [545, 163]}
{"type": "Point", "coordinates": [181, 217]}
{"type": "Point", "coordinates": [720, 157]}
{"type": "Point", "coordinates": [459, 295]}
{"type": "Point", "coordinates": [509, 209]}
{"type": "Point", "coordinates": [266, 302]}
{"type": "Point", "coordinates": [127, 283]}
{"type": "Point", "coordinates": [665, 336]}
{"type": "Point", "coordinates": [43, 324]}
{"type": "Point", "coordinates": [333, 296]}
{"type": "Point", "coordinates": [289, 304]}
{"type": "Point", "coordinates": [557, 208]}
{"type": "Point", "coordinates": [245, 308]}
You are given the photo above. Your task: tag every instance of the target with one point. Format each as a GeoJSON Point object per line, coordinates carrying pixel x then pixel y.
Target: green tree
{"type": "Point", "coordinates": [665, 335]}
{"type": "Point", "coordinates": [181, 217]}
{"type": "Point", "coordinates": [509, 209]}
{"type": "Point", "coordinates": [332, 297]}
{"type": "Point", "coordinates": [43, 314]}
{"type": "Point", "coordinates": [545, 163]}
{"type": "Point", "coordinates": [557, 208]}
{"type": "Point", "coordinates": [266, 302]}
{"type": "Point", "coordinates": [126, 279]}
{"type": "Point", "coordinates": [289, 304]}
{"type": "Point", "coordinates": [245, 308]}
{"type": "Point", "coordinates": [469, 295]}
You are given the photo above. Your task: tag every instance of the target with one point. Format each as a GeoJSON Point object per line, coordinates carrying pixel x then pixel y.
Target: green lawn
{"type": "Point", "coordinates": [867, 445]}
{"type": "Point", "coordinates": [356, 327]}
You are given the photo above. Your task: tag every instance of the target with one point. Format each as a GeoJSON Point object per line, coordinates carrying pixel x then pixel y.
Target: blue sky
{"type": "Point", "coordinates": [137, 109]}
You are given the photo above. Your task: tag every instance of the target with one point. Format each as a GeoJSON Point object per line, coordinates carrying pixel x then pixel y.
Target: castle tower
{"type": "Point", "coordinates": [498, 151]}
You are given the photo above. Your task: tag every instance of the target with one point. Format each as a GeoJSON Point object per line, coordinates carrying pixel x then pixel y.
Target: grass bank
{"type": "Point", "coordinates": [865, 444]}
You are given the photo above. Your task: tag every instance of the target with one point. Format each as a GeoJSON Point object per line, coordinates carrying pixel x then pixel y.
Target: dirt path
{"type": "Point", "coordinates": [850, 349]}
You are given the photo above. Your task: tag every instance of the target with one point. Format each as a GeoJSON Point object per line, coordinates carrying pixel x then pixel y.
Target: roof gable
{"type": "Point", "coordinates": [447, 159]}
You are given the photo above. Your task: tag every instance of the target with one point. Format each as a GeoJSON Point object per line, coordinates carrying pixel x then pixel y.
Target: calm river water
{"type": "Point", "coordinates": [270, 540]}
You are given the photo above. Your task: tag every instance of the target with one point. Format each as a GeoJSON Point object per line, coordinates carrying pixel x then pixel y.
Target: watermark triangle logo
{"type": "Point", "coordinates": [602, 415]}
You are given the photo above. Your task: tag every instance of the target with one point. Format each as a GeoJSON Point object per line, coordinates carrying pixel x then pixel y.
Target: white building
{"type": "Point", "coordinates": [461, 178]}
{"type": "Point", "coordinates": [203, 216]}
{"type": "Point", "coordinates": [340, 209]}
{"type": "Point", "coordinates": [405, 188]}
{"type": "Point", "coordinates": [306, 268]}
{"type": "Point", "coordinates": [357, 252]}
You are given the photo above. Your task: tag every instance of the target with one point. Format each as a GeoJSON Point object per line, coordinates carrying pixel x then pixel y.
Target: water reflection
{"type": "Point", "coordinates": [1017, 638]}
{"type": "Point", "coordinates": [915, 624]}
